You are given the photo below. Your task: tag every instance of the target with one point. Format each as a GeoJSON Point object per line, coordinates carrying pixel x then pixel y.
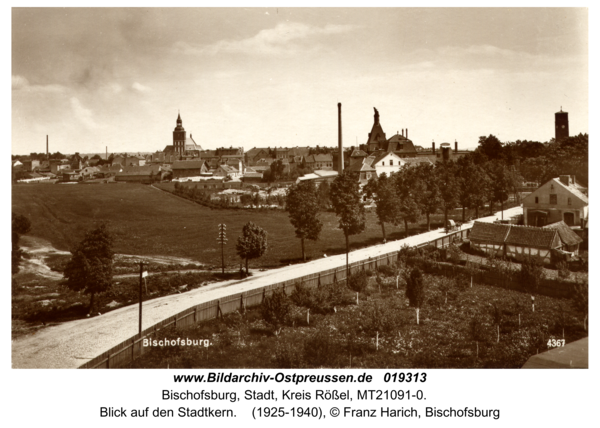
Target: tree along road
{"type": "Point", "coordinates": [73, 343]}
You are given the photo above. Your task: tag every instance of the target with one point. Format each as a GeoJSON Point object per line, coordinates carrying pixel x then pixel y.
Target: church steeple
{"type": "Point", "coordinates": [179, 136]}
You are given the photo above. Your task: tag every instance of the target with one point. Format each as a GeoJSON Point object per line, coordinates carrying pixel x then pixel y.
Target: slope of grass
{"type": "Point", "coordinates": [146, 221]}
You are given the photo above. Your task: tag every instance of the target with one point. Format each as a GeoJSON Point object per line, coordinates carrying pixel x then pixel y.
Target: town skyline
{"type": "Point", "coordinates": [273, 77]}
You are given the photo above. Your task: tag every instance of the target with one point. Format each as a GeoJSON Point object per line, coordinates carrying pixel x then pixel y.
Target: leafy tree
{"type": "Point", "coordinates": [90, 267]}
{"type": "Point", "coordinates": [303, 206]}
{"type": "Point", "coordinates": [20, 226]}
{"type": "Point", "coordinates": [408, 189]}
{"type": "Point", "coordinates": [277, 169]}
{"type": "Point", "coordinates": [386, 199]}
{"type": "Point", "coordinates": [252, 244]}
{"type": "Point", "coordinates": [490, 147]}
{"type": "Point", "coordinates": [324, 200]}
{"type": "Point", "coordinates": [581, 300]}
{"type": "Point", "coordinates": [473, 185]}
{"type": "Point", "coordinates": [346, 199]}
{"type": "Point", "coordinates": [275, 309]}
{"type": "Point", "coordinates": [415, 290]}
{"type": "Point", "coordinates": [531, 274]}
{"type": "Point", "coordinates": [500, 183]}
{"type": "Point", "coordinates": [430, 198]}
{"type": "Point", "coordinates": [448, 185]}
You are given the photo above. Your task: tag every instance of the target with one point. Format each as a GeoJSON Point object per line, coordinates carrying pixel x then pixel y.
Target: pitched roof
{"type": "Point", "coordinates": [573, 188]}
{"type": "Point", "coordinates": [139, 170]}
{"type": "Point", "coordinates": [416, 161]}
{"type": "Point", "coordinates": [532, 237]}
{"type": "Point", "coordinates": [193, 164]}
{"type": "Point", "coordinates": [358, 153]}
{"type": "Point", "coordinates": [565, 232]}
{"type": "Point", "coordinates": [489, 232]}
{"type": "Point", "coordinates": [323, 157]}
{"type": "Point", "coordinates": [363, 166]}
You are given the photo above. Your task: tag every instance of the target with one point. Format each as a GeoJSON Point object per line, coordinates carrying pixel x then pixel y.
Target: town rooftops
{"type": "Point", "coordinates": [489, 232]}
{"type": "Point", "coordinates": [190, 164]}
{"type": "Point", "coordinates": [532, 237]}
{"type": "Point", "coordinates": [416, 161]}
{"type": "Point", "coordinates": [565, 232]}
{"type": "Point", "coordinates": [525, 236]}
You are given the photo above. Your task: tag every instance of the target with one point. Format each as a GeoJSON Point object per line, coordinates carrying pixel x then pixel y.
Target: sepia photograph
{"type": "Point", "coordinates": [299, 188]}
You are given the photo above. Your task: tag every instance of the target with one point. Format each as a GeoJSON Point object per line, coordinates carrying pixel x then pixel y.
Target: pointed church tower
{"type": "Point", "coordinates": [376, 136]}
{"type": "Point", "coordinates": [179, 137]}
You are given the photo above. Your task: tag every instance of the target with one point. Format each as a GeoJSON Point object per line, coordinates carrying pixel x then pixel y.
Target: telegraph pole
{"type": "Point", "coordinates": [222, 239]}
{"type": "Point", "coordinates": [142, 275]}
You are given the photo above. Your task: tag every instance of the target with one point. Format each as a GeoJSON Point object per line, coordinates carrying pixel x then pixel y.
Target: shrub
{"type": "Point", "coordinates": [477, 329]}
{"type": "Point", "coordinates": [358, 281]}
{"type": "Point", "coordinates": [531, 274]}
{"type": "Point", "coordinates": [275, 309]}
{"type": "Point", "coordinates": [320, 349]}
{"type": "Point", "coordinates": [302, 296]}
{"type": "Point", "coordinates": [288, 356]}
{"type": "Point", "coordinates": [563, 270]}
{"type": "Point", "coordinates": [454, 253]}
{"type": "Point", "coordinates": [386, 270]}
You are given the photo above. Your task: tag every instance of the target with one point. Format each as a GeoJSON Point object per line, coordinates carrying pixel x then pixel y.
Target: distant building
{"type": "Point", "coordinates": [561, 125]}
{"type": "Point", "coordinates": [190, 168]}
{"type": "Point", "coordinates": [560, 199]}
{"type": "Point", "coordinates": [517, 242]}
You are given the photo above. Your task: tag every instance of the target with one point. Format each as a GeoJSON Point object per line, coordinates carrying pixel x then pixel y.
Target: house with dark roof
{"type": "Point", "coordinates": [569, 238]}
{"type": "Point", "coordinates": [189, 168]}
{"type": "Point", "coordinates": [518, 242]}
{"type": "Point", "coordinates": [139, 174]}
{"type": "Point", "coordinates": [398, 144]}
{"type": "Point", "coordinates": [559, 199]}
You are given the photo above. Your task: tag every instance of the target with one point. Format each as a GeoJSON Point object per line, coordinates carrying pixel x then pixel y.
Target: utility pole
{"type": "Point", "coordinates": [142, 275]}
{"type": "Point", "coordinates": [222, 239]}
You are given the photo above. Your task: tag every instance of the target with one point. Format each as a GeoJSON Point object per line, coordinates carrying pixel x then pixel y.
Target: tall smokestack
{"type": "Point", "coordinates": [47, 153]}
{"type": "Point", "coordinates": [341, 158]}
{"type": "Point", "coordinates": [433, 147]}
{"type": "Point", "coordinates": [455, 146]}
{"type": "Point", "coordinates": [106, 157]}
{"type": "Point", "coordinates": [406, 132]}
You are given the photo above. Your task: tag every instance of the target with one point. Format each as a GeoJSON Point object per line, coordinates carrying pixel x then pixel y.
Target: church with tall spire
{"type": "Point", "coordinates": [181, 144]}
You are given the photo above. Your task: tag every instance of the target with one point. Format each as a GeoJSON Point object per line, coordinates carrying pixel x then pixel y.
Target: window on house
{"type": "Point", "coordinates": [391, 162]}
{"type": "Point", "coordinates": [536, 200]}
{"type": "Point", "coordinates": [553, 199]}
{"type": "Point", "coordinates": [382, 163]}
{"type": "Point", "coordinates": [569, 201]}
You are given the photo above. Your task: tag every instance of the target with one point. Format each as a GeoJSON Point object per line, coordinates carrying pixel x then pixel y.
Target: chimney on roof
{"type": "Point", "coordinates": [433, 147]}
{"type": "Point", "coordinates": [406, 132]}
{"type": "Point", "coordinates": [47, 154]}
{"type": "Point", "coordinates": [455, 146]}
{"type": "Point", "coordinates": [565, 179]}
{"type": "Point", "coordinates": [340, 146]}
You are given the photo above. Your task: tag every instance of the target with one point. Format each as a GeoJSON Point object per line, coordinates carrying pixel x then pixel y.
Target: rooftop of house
{"type": "Point", "coordinates": [188, 164]}
{"type": "Point", "coordinates": [565, 232]}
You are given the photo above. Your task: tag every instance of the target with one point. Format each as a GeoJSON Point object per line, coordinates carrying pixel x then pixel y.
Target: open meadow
{"type": "Point", "coordinates": [147, 221]}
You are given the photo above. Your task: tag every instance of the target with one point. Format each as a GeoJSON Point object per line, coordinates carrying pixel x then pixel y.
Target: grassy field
{"type": "Point", "coordinates": [457, 329]}
{"type": "Point", "coordinates": [147, 221]}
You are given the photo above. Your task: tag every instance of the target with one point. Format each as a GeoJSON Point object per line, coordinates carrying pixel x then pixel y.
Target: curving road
{"type": "Point", "coordinates": [73, 343]}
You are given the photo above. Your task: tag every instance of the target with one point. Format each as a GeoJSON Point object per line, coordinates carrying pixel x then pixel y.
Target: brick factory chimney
{"type": "Point", "coordinates": [340, 146]}
{"type": "Point", "coordinates": [433, 147]}
{"type": "Point", "coordinates": [47, 153]}
{"type": "Point", "coordinates": [455, 146]}
{"type": "Point", "coordinates": [406, 132]}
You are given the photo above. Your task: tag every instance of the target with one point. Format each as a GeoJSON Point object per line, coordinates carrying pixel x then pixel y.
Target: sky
{"type": "Point", "coordinates": [267, 77]}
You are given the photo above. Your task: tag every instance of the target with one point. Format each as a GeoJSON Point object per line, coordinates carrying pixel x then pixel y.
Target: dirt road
{"type": "Point", "coordinates": [71, 344]}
